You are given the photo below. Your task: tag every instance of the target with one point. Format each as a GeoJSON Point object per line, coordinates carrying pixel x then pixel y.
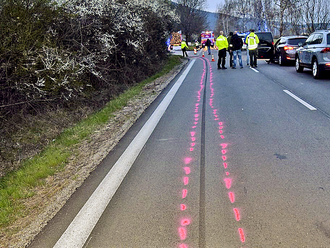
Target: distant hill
{"type": "Point", "coordinates": [212, 20]}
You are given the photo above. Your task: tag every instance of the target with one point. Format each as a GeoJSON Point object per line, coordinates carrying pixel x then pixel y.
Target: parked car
{"type": "Point", "coordinates": [285, 48]}
{"type": "Point", "coordinates": [266, 45]}
{"type": "Point", "coordinates": [314, 53]}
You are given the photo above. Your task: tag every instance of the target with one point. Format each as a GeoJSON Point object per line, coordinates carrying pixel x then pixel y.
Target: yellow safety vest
{"type": "Point", "coordinates": [252, 41]}
{"type": "Point", "coordinates": [222, 42]}
{"type": "Point", "coordinates": [183, 45]}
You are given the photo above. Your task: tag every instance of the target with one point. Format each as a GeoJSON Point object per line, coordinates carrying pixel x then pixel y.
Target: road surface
{"type": "Point", "coordinates": [229, 158]}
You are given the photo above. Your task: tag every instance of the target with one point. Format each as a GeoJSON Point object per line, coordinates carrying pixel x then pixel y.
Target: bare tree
{"type": "Point", "coordinates": [316, 14]}
{"type": "Point", "coordinates": [232, 15]}
{"type": "Point", "coordinates": [284, 9]}
{"type": "Point", "coordinates": [192, 16]}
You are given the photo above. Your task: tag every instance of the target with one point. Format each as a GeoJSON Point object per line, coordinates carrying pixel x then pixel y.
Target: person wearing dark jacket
{"type": "Point", "coordinates": [237, 44]}
{"type": "Point", "coordinates": [208, 44]}
{"type": "Point", "coordinates": [230, 49]}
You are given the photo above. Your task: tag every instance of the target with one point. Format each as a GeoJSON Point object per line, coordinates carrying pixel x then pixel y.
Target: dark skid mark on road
{"type": "Point", "coordinates": [202, 171]}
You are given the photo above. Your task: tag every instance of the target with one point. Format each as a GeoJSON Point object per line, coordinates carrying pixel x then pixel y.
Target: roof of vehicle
{"type": "Point", "coordinates": [322, 30]}
{"type": "Point", "coordinates": [294, 37]}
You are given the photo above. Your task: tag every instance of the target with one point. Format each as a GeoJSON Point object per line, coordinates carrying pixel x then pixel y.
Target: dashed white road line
{"type": "Point", "coordinates": [81, 227]}
{"type": "Point", "coordinates": [300, 100]}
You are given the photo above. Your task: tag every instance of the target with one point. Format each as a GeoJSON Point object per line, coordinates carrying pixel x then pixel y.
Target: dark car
{"type": "Point", "coordinates": [285, 48]}
{"type": "Point", "coordinates": [315, 53]}
{"type": "Point", "coordinates": [266, 45]}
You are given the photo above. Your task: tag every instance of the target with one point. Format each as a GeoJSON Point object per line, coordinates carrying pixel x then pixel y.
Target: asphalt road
{"type": "Point", "coordinates": [239, 158]}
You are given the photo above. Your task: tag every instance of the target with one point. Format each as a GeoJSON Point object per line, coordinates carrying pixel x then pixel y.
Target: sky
{"type": "Point", "coordinates": [212, 5]}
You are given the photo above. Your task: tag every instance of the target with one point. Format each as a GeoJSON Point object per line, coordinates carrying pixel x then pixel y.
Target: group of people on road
{"type": "Point", "coordinates": [233, 44]}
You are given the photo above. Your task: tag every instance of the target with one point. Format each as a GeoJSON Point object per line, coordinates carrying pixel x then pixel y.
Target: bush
{"type": "Point", "coordinates": [74, 53]}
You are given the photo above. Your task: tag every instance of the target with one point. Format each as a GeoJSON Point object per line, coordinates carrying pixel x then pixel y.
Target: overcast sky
{"type": "Point", "coordinates": [212, 5]}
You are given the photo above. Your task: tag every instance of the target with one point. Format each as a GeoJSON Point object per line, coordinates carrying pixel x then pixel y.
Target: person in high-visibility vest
{"type": "Point", "coordinates": [183, 48]}
{"type": "Point", "coordinates": [252, 41]}
{"type": "Point", "coordinates": [196, 45]}
{"type": "Point", "coordinates": [222, 44]}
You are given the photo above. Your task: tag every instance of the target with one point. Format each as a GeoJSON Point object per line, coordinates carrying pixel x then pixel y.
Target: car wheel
{"type": "Point", "coordinates": [299, 68]}
{"type": "Point", "coordinates": [316, 69]}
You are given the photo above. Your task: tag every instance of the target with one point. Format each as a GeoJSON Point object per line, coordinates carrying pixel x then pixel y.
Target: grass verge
{"type": "Point", "coordinates": [19, 185]}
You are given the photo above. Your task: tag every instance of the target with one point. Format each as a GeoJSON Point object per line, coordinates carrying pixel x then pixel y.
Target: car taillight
{"type": "Point", "coordinates": [288, 48]}
{"type": "Point", "coordinates": [325, 50]}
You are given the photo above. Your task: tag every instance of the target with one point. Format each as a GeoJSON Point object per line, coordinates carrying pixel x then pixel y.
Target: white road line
{"type": "Point", "coordinates": [299, 100]}
{"type": "Point", "coordinates": [254, 69]}
{"type": "Point", "coordinates": [80, 228]}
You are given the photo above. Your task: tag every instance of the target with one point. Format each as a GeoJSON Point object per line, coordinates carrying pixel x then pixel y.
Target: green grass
{"type": "Point", "coordinates": [20, 184]}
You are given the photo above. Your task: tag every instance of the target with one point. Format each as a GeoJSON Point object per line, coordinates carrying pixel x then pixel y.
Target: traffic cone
{"type": "Point", "coordinates": [195, 51]}
{"type": "Point", "coordinates": [203, 55]}
{"type": "Point", "coordinates": [213, 58]}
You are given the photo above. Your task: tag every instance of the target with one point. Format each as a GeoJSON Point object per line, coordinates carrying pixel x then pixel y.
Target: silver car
{"type": "Point", "coordinates": [314, 53]}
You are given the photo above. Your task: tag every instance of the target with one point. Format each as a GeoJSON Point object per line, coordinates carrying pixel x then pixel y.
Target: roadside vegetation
{"type": "Point", "coordinates": [20, 184]}
{"type": "Point", "coordinates": [66, 59]}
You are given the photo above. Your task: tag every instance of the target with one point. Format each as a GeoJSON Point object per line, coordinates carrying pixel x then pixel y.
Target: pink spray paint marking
{"type": "Point", "coordinates": [193, 138]}
{"type": "Point", "coordinates": [224, 151]}
{"type": "Point", "coordinates": [237, 214]}
{"type": "Point", "coordinates": [182, 233]}
{"type": "Point", "coordinates": [187, 160]}
{"type": "Point", "coordinates": [228, 182]}
{"type": "Point", "coordinates": [187, 170]}
{"type": "Point", "coordinates": [231, 197]}
{"type": "Point", "coordinates": [241, 234]}
{"type": "Point", "coordinates": [183, 207]}
{"type": "Point", "coordinates": [183, 246]}
{"type": "Point", "coordinates": [224, 145]}
{"type": "Point", "coordinates": [227, 173]}
{"type": "Point", "coordinates": [224, 158]}
{"type": "Point", "coordinates": [192, 134]}
{"type": "Point", "coordinates": [184, 193]}
{"type": "Point", "coordinates": [186, 180]}
{"type": "Point", "coordinates": [225, 165]}
{"type": "Point", "coordinates": [185, 222]}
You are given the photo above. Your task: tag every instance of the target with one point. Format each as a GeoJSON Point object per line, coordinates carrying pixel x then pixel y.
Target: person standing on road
{"type": "Point", "coordinates": [252, 42]}
{"type": "Point", "coordinates": [247, 50]}
{"type": "Point", "coordinates": [230, 49]}
{"type": "Point", "coordinates": [196, 45]}
{"type": "Point", "coordinates": [208, 44]}
{"type": "Point", "coordinates": [184, 48]}
{"type": "Point", "coordinates": [222, 44]}
{"type": "Point", "coordinates": [237, 44]}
